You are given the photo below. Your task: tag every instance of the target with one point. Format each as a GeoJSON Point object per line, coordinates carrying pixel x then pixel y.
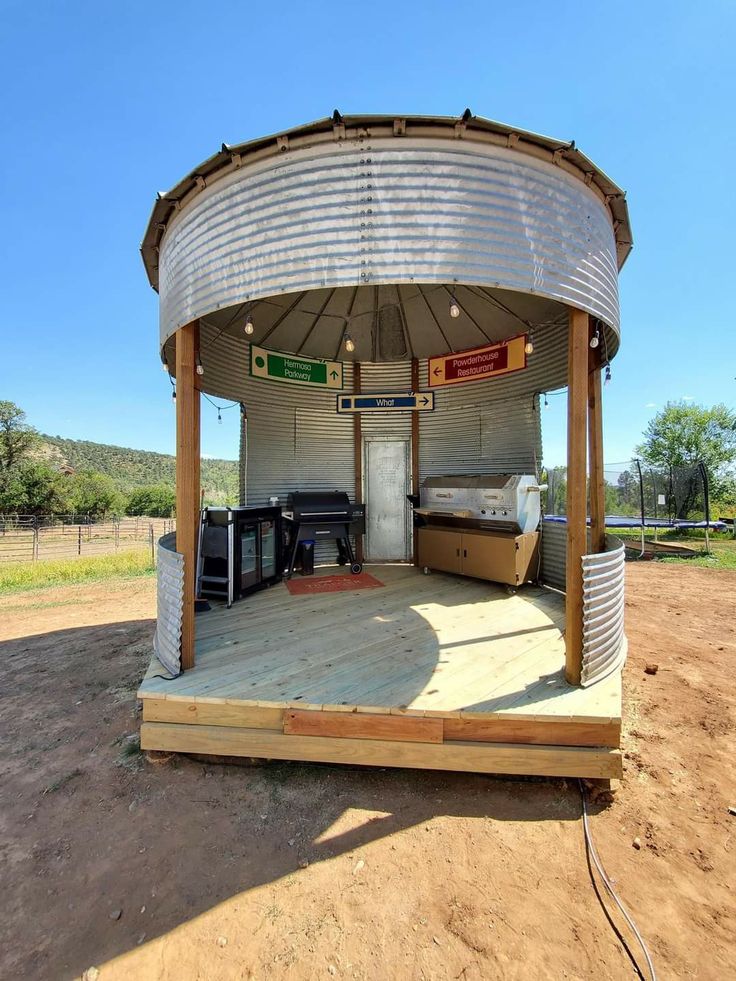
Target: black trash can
{"type": "Point", "coordinates": [307, 550]}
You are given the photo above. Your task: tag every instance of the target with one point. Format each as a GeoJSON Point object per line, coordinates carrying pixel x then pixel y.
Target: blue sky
{"type": "Point", "coordinates": [104, 104]}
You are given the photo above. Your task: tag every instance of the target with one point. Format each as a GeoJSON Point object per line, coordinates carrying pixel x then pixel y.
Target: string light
{"type": "Point", "coordinates": [608, 374]}
{"type": "Point", "coordinates": [164, 365]}
{"type": "Point", "coordinates": [198, 363]}
{"type": "Point", "coordinates": [454, 308]}
{"type": "Point", "coordinates": [596, 338]}
{"type": "Point", "coordinates": [219, 415]}
{"type": "Point", "coordinates": [349, 343]}
{"type": "Point", "coordinates": [529, 346]}
{"type": "Point", "coordinates": [249, 328]}
{"type": "Point", "coordinates": [546, 402]}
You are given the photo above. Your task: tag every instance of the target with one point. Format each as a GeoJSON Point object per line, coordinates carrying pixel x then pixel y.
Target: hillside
{"type": "Point", "coordinates": [138, 468]}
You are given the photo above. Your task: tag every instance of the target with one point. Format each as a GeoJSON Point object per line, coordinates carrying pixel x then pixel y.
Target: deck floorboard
{"type": "Point", "coordinates": [436, 645]}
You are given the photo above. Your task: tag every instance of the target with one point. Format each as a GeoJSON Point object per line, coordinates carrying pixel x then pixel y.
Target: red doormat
{"type": "Point", "coordinates": [331, 584]}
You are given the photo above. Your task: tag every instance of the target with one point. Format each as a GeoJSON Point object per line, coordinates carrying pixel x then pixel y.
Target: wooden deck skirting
{"type": "Point", "coordinates": [433, 671]}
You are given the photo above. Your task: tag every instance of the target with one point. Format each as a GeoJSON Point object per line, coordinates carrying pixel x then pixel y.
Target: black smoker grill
{"type": "Point", "coordinates": [318, 515]}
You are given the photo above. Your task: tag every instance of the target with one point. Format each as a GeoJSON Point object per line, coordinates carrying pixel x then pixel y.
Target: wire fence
{"type": "Point", "coordinates": [641, 495]}
{"type": "Point", "coordinates": [32, 538]}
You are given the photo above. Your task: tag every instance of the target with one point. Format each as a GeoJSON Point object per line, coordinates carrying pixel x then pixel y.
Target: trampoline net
{"type": "Point", "coordinates": [635, 490]}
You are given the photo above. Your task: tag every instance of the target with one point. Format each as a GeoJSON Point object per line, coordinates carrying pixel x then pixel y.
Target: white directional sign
{"type": "Point", "coordinates": [387, 402]}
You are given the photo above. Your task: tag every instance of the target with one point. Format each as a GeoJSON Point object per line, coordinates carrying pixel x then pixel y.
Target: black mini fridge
{"type": "Point", "coordinates": [240, 550]}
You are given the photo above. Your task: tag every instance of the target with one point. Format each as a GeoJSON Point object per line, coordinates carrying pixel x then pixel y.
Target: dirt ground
{"type": "Point", "coordinates": [130, 869]}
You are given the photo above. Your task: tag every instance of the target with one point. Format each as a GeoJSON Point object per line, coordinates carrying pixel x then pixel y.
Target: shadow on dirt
{"type": "Point", "coordinates": [105, 850]}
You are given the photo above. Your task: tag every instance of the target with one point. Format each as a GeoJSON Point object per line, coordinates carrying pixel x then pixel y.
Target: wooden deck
{"type": "Point", "coordinates": [436, 671]}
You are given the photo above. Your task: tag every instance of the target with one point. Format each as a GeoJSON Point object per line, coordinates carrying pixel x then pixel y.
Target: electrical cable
{"type": "Point", "coordinates": [593, 854]}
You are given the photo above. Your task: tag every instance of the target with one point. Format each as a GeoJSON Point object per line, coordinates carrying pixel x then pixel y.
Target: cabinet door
{"type": "Point", "coordinates": [489, 557]}
{"type": "Point", "coordinates": [440, 549]}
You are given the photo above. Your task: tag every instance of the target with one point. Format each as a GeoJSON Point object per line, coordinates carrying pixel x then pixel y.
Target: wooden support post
{"type": "Point", "coordinates": [187, 476]}
{"type": "Point", "coordinates": [577, 412]}
{"type": "Point", "coordinates": [595, 446]}
{"type": "Point", "coordinates": [358, 458]}
{"type": "Point", "coordinates": [415, 452]}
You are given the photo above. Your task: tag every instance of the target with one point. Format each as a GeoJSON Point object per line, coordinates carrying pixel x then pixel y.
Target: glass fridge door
{"type": "Point", "coordinates": [249, 556]}
{"type": "Point", "coordinates": [268, 549]}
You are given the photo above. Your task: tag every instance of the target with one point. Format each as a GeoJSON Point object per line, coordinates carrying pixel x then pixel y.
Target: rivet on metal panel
{"type": "Point", "coordinates": [282, 142]}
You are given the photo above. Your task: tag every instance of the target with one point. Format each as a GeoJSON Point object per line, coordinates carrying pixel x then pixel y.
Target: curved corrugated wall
{"type": "Point", "coordinates": [297, 441]}
{"type": "Point", "coordinates": [604, 642]}
{"type": "Point", "coordinates": [384, 212]}
{"type": "Point", "coordinates": [170, 604]}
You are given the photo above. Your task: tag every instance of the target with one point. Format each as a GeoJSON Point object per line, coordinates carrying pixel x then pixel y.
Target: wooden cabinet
{"type": "Point", "coordinates": [493, 555]}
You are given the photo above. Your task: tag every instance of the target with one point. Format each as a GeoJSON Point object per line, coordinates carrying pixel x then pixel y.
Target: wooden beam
{"type": "Point", "coordinates": [187, 476]}
{"type": "Point", "coordinates": [595, 444]}
{"type": "Point", "coordinates": [544, 761]}
{"type": "Point", "coordinates": [577, 413]}
{"type": "Point", "coordinates": [549, 732]}
{"type": "Point", "coordinates": [355, 725]}
{"type": "Point", "coordinates": [358, 457]}
{"type": "Point", "coordinates": [415, 450]}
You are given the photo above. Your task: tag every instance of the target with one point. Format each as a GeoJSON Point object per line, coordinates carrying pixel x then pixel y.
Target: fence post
{"type": "Point", "coordinates": [117, 533]}
{"type": "Point", "coordinates": [79, 539]}
{"type": "Point", "coordinates": [153, 551]}
{"type": "Point", "coordinates": [35, 542]}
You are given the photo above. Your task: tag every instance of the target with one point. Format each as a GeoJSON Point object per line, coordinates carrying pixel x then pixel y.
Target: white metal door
{"type": "Point", "coordinates": [387, 482]}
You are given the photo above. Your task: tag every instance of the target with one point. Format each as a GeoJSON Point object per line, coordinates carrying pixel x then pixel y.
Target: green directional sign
{"type": "Point", "coordinates": [293, 370]}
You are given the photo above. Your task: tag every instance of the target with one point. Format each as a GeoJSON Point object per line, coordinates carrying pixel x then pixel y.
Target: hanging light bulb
{"type": "Point", "coordinates": [546, 403]}
{"type": "Point", "coordinates": [249, 328]}
{"type": "Point", "coordinates": [349, 343]}
{"type": "Point", "coordinates": [199, 368]}
{"type": "Point", "coordinates": [219, 417]}
{"type": "Point", "coordinates": [164, 365]}
{"type": "Point", "coordinates": [173, 395]}
{"type": "Point", "coordinates": [529, 346]}
{"type": "Point", "coordinates": [454, 308]}
{"type": "Point", "coordinates": [608, 375]}
{"type": "Point", "coordinates": [595, 339]}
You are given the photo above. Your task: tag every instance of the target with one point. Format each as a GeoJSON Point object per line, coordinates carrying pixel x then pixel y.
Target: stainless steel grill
{"type": "Point", "coordinates": [503, 502]}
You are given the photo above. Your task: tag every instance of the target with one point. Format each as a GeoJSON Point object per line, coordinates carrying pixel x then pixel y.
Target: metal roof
{"type": "Point", "coordinates": [341, 128]}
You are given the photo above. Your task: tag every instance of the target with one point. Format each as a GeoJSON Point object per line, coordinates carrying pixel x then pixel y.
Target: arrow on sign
{"type": "Point", "coordinates": [436, 371]}
{"type": "Point", "coordinates": [333, 374]}
{"type": "Point", "coordinates": [425, 400]}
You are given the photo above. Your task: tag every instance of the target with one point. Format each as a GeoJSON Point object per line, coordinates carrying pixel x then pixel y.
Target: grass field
{"type": "Point", "coordinates": [722, 545]}
{"type": "Point", "coordinates": [17, 576]}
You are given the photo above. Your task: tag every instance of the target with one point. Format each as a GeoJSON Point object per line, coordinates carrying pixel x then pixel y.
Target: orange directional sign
{"type": "Point", "coordinates": [479, 363]}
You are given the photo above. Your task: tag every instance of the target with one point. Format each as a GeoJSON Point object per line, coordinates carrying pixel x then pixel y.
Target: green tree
{"type": "Point", "coordinates": [683, 434]}
{"type": "Point", "coordinates": [34, 488]}
{"type": "Point", "coordinates": [156, 501]}
{"type": "Point", "coordinates": [17, 438]}
{"type": "Point", "coordinates": [95, 494]}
